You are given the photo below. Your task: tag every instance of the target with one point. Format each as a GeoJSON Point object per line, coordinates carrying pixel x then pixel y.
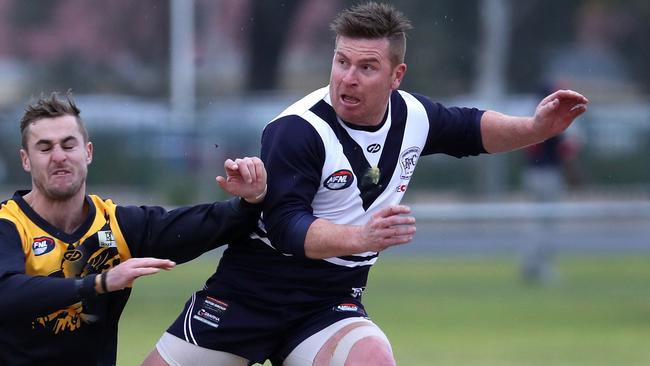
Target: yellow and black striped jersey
{"type": "Point", "coordinates": [49, 310]}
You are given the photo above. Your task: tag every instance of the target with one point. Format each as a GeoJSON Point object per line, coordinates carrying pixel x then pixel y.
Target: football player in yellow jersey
{"type": "Point", "coordinates": [68, 259]}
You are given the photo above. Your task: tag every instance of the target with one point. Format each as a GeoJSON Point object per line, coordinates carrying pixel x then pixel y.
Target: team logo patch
{"type": "Point", "coordinates": [340, 179]}
{"type": "Point", "coordinates": [373, 148]}
{"type": "Point", "coordinates": [42, 245]}
{"type": "Point", "coordinates": [407, 160]}
{"type": "Point", "coordinates": [106, 239]}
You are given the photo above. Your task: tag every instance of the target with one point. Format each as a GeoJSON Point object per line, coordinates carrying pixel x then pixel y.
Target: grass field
{"type": "Point", "coordinates": [459, 311]}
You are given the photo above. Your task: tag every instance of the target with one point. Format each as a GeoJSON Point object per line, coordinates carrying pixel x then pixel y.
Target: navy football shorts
{"type": "Point", "coordinates": [250, 328]}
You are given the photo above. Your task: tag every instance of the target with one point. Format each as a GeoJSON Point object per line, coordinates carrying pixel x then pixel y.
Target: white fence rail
{"type": "Point", "coordinates": [531, 211]}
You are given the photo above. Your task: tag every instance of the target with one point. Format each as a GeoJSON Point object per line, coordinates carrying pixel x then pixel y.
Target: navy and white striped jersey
{"type": "Point", "coordinates": [322, 167]}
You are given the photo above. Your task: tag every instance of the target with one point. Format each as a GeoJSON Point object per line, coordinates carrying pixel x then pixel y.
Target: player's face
{"type": "Point", "coordinates": [362, 79]}
{"type": "Point", "coordinates": [57, 157]}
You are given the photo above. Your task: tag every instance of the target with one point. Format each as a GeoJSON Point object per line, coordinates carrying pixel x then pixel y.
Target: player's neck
{"type": "Point", "coordinates": [66, 215]}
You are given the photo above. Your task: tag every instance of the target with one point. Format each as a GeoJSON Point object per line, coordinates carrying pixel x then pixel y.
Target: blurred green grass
{"type": "Point", "coordinates": [460, 311]}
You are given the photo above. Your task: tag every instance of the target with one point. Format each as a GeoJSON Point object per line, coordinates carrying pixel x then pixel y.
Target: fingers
{"type": "Point", "coordinates": [390, 227]}
{"type": "Point", "coordinates": [392, 211]}
{"type": "Point", "coordinates": [566, 95]}
{"type": "Point", "coordinates": [260, 171]}
{"type": "Point", "coordinates": [152, 262]}
{"type": "Point", "coordinates": [125, 273]}
{"type": "Point", "coordinates": [250, 169]}
{"type": "Point", "coordinates": [221, 181]}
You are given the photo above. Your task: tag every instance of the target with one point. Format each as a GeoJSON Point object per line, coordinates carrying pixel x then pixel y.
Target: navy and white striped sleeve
{"type": "Point", "coordinates": [454, 131]}
{"type": "Point", "coordinates": [293, 154]}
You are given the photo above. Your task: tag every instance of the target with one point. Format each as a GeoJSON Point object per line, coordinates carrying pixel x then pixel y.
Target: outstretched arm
{"type": "Point", "coordinates": [185, 233]}
{"type": "Point", "coordinates": [554, 114]}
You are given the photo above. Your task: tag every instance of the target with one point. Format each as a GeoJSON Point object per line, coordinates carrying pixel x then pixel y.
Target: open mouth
{"type": "Point", "coordinates": [60, 172]}
{"type": "Point", "coordinates": [348, 99]}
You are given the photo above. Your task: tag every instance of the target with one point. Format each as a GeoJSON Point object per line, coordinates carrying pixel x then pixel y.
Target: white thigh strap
{"type": "Point", "coordinates": [177, 352]}
{"type": "Point", "coordinates": [345, 344]}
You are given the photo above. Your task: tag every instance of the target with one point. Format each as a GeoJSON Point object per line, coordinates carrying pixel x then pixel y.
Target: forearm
{"type": "Point", "coordinates": [187, 232]}
{"type": "Point", "coordinates": [501, 132]}
{"type": "Point", "coordinates": [23, 296]}
{"type": "Point", "coordinates": [325, 239]}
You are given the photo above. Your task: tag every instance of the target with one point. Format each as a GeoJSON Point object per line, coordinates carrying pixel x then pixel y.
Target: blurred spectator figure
{"type": "Point", "coordinates": [550, 171]}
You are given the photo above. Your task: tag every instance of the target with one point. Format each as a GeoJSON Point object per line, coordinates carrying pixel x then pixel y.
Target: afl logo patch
{"type": "Point", "coordinates": [340, 179]}
{"type": "Point", "coordinates": [72, 255]}
{"type": "Point", "coordinates": [42, 245]}
{"type": "Point", "coordinates": [373, 148]}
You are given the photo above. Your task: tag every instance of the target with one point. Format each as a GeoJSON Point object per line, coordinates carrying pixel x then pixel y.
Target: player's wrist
{"type": "Point", "coordinates": [101, 283]}
{"type": "Point", "coordinates": [257, 199]}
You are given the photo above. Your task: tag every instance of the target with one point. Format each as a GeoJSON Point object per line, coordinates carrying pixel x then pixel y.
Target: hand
{"type": "Point", "coordinates": [387, 228]}
{"type": "Point", "coordinates": [125, 273]}
{"type": "Point", "coordinates": [246, 178]}
{"type": "Point", "coordinates": [557, 111]}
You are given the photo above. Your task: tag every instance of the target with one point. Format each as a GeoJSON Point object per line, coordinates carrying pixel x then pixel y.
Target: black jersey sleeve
{"type": "Point", "coordinates": [185, 233]}
{"type": "Point", "coordinates": [22, 295]}
{"type": "Point", "coordinates": [293, 154]}
{"type": "Point", "coordinates": [454, 131]}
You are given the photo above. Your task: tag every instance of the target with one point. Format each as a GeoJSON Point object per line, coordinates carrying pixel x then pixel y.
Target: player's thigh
{"type": "Point", "coordinates": [356, 340]}
{"type": "Point", "coordinates": [173, 351]}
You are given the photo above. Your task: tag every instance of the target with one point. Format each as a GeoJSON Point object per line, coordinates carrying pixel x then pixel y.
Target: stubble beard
{"type": "Point", "coordinates": [61, 193]}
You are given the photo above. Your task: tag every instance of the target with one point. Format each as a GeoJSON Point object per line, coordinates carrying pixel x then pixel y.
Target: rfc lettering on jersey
{"type": "Point", "coordinates": [408, 160]}
{"type": "Point", "coordinates": [338, 180]}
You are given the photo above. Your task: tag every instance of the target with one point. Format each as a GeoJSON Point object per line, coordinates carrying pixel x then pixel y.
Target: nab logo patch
{"type": "Point", "coordinates": [340, 179]}
{"type": "Point", "coordinates": [42, 245]}
{"type": "Point", "coordinates": [373, 148]}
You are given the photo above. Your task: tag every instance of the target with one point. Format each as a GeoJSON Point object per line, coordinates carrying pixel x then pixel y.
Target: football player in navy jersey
{"type": "Point", "coordinates": [68, 259]}
{"type": "Point", "coordinates": [339, 162]}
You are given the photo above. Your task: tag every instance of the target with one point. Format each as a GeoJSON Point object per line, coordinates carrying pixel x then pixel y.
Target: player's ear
{"type": "Point", "coordinates": [89, 152]}
{"type": "Point", "coordinates": [398, 75]}
{"type": "Point", "coordinates": [24, 160]}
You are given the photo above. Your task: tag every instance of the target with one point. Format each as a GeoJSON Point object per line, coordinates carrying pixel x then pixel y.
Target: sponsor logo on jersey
{"type": "Point", "coordinates": [349, 307]}
{"type": "Point", "coordinates": [407, 160]}
{"type": "Point", "coordinates": [205, 321]}
{"type": "Point", "coordinates": [340, 179]}
{"type": "Point", "coordinates": [208, 315]}
{"type": "Point", "coordinates": [373, 148]}
{"type": "Point", "coordinates": [72, 255]}
{"type": "Point", "coordinates": [106, 239]}
{"type": "Point", "coordinates": [401, 188]}
{"type": "Point", "coordinates": [357, 292]}
{"type": "Point", "coordinates": [214, 304]}
{"type": "Point", "coordinates": [42, 245]}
